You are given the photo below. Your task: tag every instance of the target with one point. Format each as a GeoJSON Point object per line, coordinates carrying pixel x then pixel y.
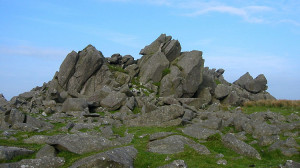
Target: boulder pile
{"type": "Point", "coordinates": [165, 87]}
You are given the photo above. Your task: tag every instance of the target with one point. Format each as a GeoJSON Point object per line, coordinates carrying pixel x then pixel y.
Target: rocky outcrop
{"type": "Point", "coordinates": [94, 105]}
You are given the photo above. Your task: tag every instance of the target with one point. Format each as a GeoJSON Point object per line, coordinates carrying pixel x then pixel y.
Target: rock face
{"type": "Point", "coordinates": [8, 153]}
{"type": "Point", "coordinates": [252, 85]}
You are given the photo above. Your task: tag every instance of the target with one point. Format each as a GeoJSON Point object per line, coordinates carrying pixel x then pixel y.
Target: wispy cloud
{"type": "Point", "coordinates": [290, 21]}
{"type": "Point", "coordinates": [32, 51]}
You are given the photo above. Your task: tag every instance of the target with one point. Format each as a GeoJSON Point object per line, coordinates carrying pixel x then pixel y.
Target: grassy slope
{"type": "Point", "coordinates": [191, 157]}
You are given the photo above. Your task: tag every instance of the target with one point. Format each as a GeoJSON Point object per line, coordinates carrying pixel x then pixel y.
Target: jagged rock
{"type": "Point", "coordinates": [175, 144]}
{"type": "Point", "coordinates": [118, 157]}
{"type": "Point", "coordinates": [115, 59]}
{"type": "Point", "coordinates": [257, 85]}
{"type": "Point", "coordinates": [264, 129]}
{"type": "Point", "coordinates": [199, 132]}
{"type": "Point", "coordinates": [163, 116]}
{"type": "Point", "coordinates": [113, 101]}
{"type": "Point", "coordinates": [172, 50]}
{"type": "Point", "coordinates": [122, 78]}
{"type": "Point", "coordinates": [192, 69]}
{"type": "Point", "coordinates": [46, 151]}
{"type": "Point", "coordinates": [243, 80]}
{"type": "Point", "coordinates": [16, 116]}
{"type": "Point", "coordinates": [89, 61]}
{"type": "Point", "coordinates": [67, 69]}
{"type": "Point", "coordinates": [152, 67]}
{"type": "Point", "coordinates": [28, 95]}
{"type": "Point", "coordinates": [128, 60]}
{"type": "Point", "coordinates": [73, 143]}
{"type": "Point", "coordinates": [175, 164]}
{"type": "Point", "coordinates": [8, 153]}
{"type": "Point", "coordinates": [195, 102]}
{"type": "Point", "coordinates": [132, 70]}
{"type": "Point", "coordinates": [74, 104]}
{"type": "Point", "coordinates": [53, 162]}
{"type": "Point", "coordinates": [221, 91]}
{"type": "Point", "coordinates": [205, 96]}
{"type": "Point", "coordinates": [155, 45]}
{"type": "Point", "coordinates": [171, 84]}
{"type": "Point", "coordinates": [230, 141]}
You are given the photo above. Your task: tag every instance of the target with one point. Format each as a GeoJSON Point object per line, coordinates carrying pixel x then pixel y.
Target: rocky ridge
{"type": "Point", "coordinates": [90, 96]}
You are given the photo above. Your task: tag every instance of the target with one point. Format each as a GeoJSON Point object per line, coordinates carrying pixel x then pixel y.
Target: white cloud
{"type": "Point", "coordinates": [290, 21]}
{"type": "Point", "coordinates": [32, 51]}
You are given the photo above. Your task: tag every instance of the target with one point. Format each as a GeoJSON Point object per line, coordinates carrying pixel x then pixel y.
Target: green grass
{"type": "Point", "coordinates": [116, 68]}
{"type": "Point", "coordinates": [285, 111]}
{"type": "Point", "coordinates": [166, 72]}
{"type": "Point", "coordinates": [218, 82]}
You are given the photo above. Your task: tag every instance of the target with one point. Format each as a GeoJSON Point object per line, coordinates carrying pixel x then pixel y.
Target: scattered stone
{"type": "Point", "coordinates": [159, 135]}
{"type": "Point", "coordinates": [118, 157]}
{"type": "Point", "coordinates": [199, 132]}
{"type": "Point", "coordinates": [222, 162]}
{"type": "Point", "coordinates": [230, 141]}
{"type": "Point", "coordinates": [53, 162]}
{"type": "Point", "coordinates": [46, 151]}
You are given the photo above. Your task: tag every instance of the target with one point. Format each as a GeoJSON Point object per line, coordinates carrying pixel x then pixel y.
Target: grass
{"type": "Point", "coordinates": [283, 107]}
{"type": "Point", "coordinates": [116, 68]}
{"type": "Point", "coordinates": [166, 72]}
{"type": "Point", "coordinates": [218, 82]}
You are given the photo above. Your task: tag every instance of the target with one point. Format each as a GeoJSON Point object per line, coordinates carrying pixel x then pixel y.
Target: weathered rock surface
{"type": "Point", "coordinates": [8, 153]}
{"type": "Point", "coordinates": [199, 132]}
{"type": "Point", "coordinates": [230, 141]}
{"type": "Point", "coordinates": [163, 116]}
{"type": "Point", "coordinates": [175, 144]}
{"type": "Point", "coordinates": [51, 162]}
{"type": "Point", "coordinates": [118, 157]}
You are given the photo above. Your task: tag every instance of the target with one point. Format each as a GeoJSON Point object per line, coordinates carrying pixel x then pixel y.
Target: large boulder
{"type": "Point", "coordinates": [118, 157]}
{"type": "Point", "coordinates": [89, 61]}
{"type": "Point", "coordinates": [67, 69]}
{"type": "Point", "coordinates": [199, 132]}
{"type": "Point", "coordinates": [171, 49]}
{"type": "Point", "coordinates": [156, 45]}
{"type": "Point", "coordinates": [257, 85]}
{"type": "Point", "coordinates": [175, 144]}
{"type": "Point", "coordinates": [240, 147]}
{"type": "Point", "coordinates": [221, 91]}
{"type": "Point", "coordinates": [74, 104]}
{"type": "Point", "coordinates": [192, 65]}
{"type": "Point", "coordinates": [113, 101]}
{"type": "Point", "coordinates": [80, 143]}
{"type": "Point", "coordinates": [163, 116]}
{"type": "Point", "coordinates": [243, 80]}
{"type": "Point", "coordinates": [152, 68]}
{"type": "Point", "coordinates": [3, 101]}
{"type": "Point", "coordinates": [171, 84]}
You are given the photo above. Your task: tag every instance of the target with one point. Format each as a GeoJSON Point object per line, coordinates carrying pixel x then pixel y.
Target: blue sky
{"type": "Point", "coordinates": [256, 36]}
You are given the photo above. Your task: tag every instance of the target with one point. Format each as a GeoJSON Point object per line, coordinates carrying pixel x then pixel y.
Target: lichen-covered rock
{"type": "Point", "coordinates": [8, 153]}
{"type": "Point", "coordinates": [221, 91]}
{"type": "Point", "coordinates": [74, 104]}
{"type": "Point", "coordinates": [199, 132]}
{"type": "Point", "coordinates": [53, 162]}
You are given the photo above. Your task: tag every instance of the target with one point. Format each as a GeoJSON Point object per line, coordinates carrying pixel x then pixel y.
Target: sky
{"type": "Point", "coordinates": [255, 36]}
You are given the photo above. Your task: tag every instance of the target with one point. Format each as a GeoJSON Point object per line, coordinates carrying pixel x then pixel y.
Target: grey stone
{"type": "Point", "coordinates": [163, 116]}
{"type": "Point", "coordinates": [89, 61]}
{"type": "Point", "coordinates": [159, 135]}
{"type": "Point", "coordinates": [132, 70]}
{"type": "Point", "coordinates": [74, 143]}
{"type": "Point", "coordinates": [115, 59]}
{"type": "Point", "coordinates": [36, 139]}
{"type": "Point", "coordinates": [53, 162]}
{"type": "Point", "coordinates": [171, 84]}
{"type": "Point", "coordinates": [16, 116]}
{"type": "Point", "coordinates": [46, 151]}
{"type": "Point", "coordinates": [8, 153]}
{"type": "Point", "coordinates": [67, 69]}
{"type": "Point", "coordinates": [222, 162]}
{"type": "Point", "coordinates": [118, 157]}
{"type": "Point", "coordinates": [74, 104]}
{"type": "Point", "coordinates": [240, 147]}
{"type": "Point", "coordinates": [172, 49]}
{"type": "Point", "coordinates": [204, 95]}
{"type": "Point", "coordinates": [113, 101]}
{"type": "Point", "coordinates": [175, 164]}
{"type": "Point", "coordinates": [28, 95]}
{"type": "Point", "coordinates": [175, 144]}
{"type": "Point", "coordinates": [128, 60]}
{"type": "Point", "coordinates": [3, 101]}
{"type": "Point", "coordinates": [243, 80]}
{"type": "Point", "coordinates": [155, 45]}
{"type": "Point", "coordinates": [192, 67]}
{"type": "Point", "coordinates": [195, 102]}
{"type": "Point", "coordinates": [221, 91]}
{"type": "Point", "coordinates": [43, 125]}
{"type": "Point", "coordinates": [153, 67]}
{"type": "Point", "coordinates": [287, 147]}
{"type": "Point", "coordinates": [257, 85]}
{"type": "Point", "coordinates": [199, 132]}
{"type": "Point", "coordinates": [264, 129]}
